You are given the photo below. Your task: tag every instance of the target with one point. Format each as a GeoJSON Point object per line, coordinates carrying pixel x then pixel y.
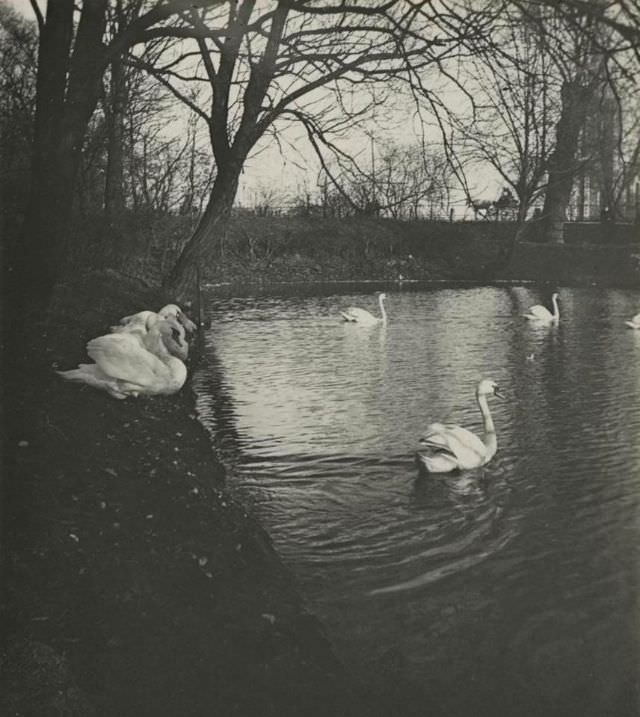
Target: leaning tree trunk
{"type": "Point", "coordinates": [563, 167]}
{"type": "Point", "coordinates": [180, 284]}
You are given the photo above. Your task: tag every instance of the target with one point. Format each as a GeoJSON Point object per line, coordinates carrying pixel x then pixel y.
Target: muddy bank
{"type": "Point", "coordinates": [132, 583]}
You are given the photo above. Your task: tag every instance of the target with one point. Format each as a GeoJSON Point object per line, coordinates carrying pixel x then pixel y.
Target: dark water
{"type": "Point", "coordinates": [511, 590]}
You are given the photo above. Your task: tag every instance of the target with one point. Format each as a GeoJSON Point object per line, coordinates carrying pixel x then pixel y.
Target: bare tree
{"type": "Point", "coordinates": [72, 59]}
{"type": "Point", "coordinates": [18, 52]}
{"type": "Point", "coordinates": [270, 65]}
{"type": "Point", "coordinates": [585, 45]}
{"type": "Point", "coordinates": [510, 127]}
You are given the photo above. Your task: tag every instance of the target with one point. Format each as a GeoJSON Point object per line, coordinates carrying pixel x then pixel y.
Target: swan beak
{"type": "Point", "coordinates": [498, 394]}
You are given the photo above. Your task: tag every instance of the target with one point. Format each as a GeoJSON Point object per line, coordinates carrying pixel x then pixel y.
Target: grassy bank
{"type": "Point", "coordinates": [133, 584]}
{"type": "Point", "coordinates": [273, 249]}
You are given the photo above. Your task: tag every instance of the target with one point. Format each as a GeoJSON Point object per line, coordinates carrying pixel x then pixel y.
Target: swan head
{"type": "Point", "coordinates": [173, 337]}
{"type": "Point", "coordinates": [555, 296]}
{"type": "Point", "coordinates": [487, 387]}
{"type": "Point", "coordinates": [382, 296]}
{"type": "Point", "coordinates": [173, 311]}
{"type": "Point", "coordinates": [170, 311]}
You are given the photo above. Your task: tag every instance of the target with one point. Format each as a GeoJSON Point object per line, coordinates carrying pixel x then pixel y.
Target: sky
{"type": "Point", "coordinates": [269, 169]}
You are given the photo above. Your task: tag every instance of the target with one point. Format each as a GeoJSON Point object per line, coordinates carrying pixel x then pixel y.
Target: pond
{"type": "Point", "coordinates": [513, 589]}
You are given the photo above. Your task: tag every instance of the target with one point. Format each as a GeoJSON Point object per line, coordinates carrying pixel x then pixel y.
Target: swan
{"type": "Point", "coordinates": [170, 311]}
{"type": "Point", "coordinates": [141, 323]}
{"type": "Point", "coordinates": [127, 364]}
{"type": "Point", "coordinates": [173, 310]}
{"type": "Point", "coordinates": [361, 316]}
{"type": "Point", "coordinates": [634, 323]}
{"type": "Point", "coordinates": [449, 448]}
{"type": "Point", "coordinates": [541, 313]}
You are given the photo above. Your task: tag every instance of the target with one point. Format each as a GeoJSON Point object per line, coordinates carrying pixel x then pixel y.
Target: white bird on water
{"type": "Point", "coordinates": [634, 323]}
{"type": "Point", "coordinates": [541, 314]}
{"type": "Point", "coordinates": [129, 364]}
{"type": "Point", "coordinates": [448, 448]}
{"type": "Point", "coordinates": [361, 316]}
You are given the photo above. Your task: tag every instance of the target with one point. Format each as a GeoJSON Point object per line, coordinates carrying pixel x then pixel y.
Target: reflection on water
{"type": "Point", "coordinates": [511, 590]}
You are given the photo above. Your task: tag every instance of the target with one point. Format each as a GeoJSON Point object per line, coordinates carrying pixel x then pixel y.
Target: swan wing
{"type": "Point", "coordinates": [539, 312]}
{"type": "Point", "coordinates": [139, 317]}
{"type": "Point", "coordinates": [134, 326]}
{"type": "Point", "coordinates": [360, 316]}
{"type": "Point", "coordinates": [467, 448]}
{"type": "Point", "coordinates": [634, 323]}
{"type": "Point", "coordinates": [122, 356]}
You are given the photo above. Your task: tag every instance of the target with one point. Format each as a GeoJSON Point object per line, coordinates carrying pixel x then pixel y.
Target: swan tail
{"type": "Point", "coordinates": [90, 375]}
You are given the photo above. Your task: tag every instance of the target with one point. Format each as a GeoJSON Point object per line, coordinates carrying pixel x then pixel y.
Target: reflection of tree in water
{"type": "Point", "coordinates": [214, 402]}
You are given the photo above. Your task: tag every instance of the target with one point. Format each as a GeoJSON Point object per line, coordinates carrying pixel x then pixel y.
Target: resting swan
{"type": "Point", "coordinates": [361, 316]}
{"type": "Point", "coordinates": [141, 323]}
{"type": "Point", "coordinates": [449, 448]}
{"type": "Point", "coordinates": [127, 364]}
{"type": "Point", "coordinates": [166, 312]}
{"type": "Point", "coordinates": [634, 323]}
{"type": "Point", "coordinates": [541, 313]}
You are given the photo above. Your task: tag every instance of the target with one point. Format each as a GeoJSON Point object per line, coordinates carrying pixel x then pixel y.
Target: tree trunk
{"type": "Point", "coordinates": [114, 183]}
{"type": "Point", "coordinates": [180, 284]}
{"type": "Point", "coordinates": [31, 273]}
{"type": "Point", "coordinates": [67, 91]}
{"type": "Point", "coordinates": [562, 163]}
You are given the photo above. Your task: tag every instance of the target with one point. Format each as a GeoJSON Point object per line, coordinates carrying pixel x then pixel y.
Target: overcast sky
{"type": "Point", "coordinates": [293, 166]}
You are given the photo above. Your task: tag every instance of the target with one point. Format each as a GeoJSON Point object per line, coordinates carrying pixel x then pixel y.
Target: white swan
{"type": "Point", "coordinates": [361, 316]}
{"type": "Point", "coordinates": [170, 311]}
{"type": "Point", "coordinates": [448, 447]}
{"type": "Point", "coordinates": [141, 323]}
{"type": "Point", "coordinates": [127, 364]}
{"type": "Point", "coordinates": [542, 314]}
{"type": "Point", "coordinates": [173, 310]}
{"type": "Point", "coordinates": [634, 323]}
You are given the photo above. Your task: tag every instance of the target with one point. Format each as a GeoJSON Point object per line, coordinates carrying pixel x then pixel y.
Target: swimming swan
{"type": "Point", "coordinates": [141, 323]}
{"type": "Point", "coordinates": [634, 323]}
{"type": "Point", "coordinates": [127, 364]}
{"type": "Point", "coordinates": [361, 316]}
{"type": "Point", "coordinates": [166, 312]}
{"type": "Point", "coordinates": [541, 313]}
{"type": "Point", "coordinates": [448, 447]}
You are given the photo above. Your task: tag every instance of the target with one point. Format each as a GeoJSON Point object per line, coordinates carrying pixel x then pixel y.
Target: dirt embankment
{"type": "Point", "coordinates": [132, 583]}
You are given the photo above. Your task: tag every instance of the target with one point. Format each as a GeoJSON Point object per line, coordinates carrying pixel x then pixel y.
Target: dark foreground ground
{"type": "Point", "coordinates": [132, 583]}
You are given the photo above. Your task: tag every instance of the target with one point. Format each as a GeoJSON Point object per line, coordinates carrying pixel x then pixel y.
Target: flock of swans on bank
{"type": "Point", "coordinates": [145, 354]}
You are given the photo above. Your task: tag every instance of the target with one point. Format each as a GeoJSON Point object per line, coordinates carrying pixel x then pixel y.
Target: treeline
{"type": "Point", "coordinates": [112, 109]}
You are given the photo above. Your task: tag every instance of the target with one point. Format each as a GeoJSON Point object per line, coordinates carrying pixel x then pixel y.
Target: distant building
{"type": "Point", "coordinates": [604, 187]}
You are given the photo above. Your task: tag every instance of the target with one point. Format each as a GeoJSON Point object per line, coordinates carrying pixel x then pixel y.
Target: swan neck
{"type": "Point", "coordinates": [155, 345]}
{"type": "Point", "coordinates": [383, 313]}
{"type": "Point", "coordinates": [556, 310]}
{"type": "Point", "coordinates": [486, 414]}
